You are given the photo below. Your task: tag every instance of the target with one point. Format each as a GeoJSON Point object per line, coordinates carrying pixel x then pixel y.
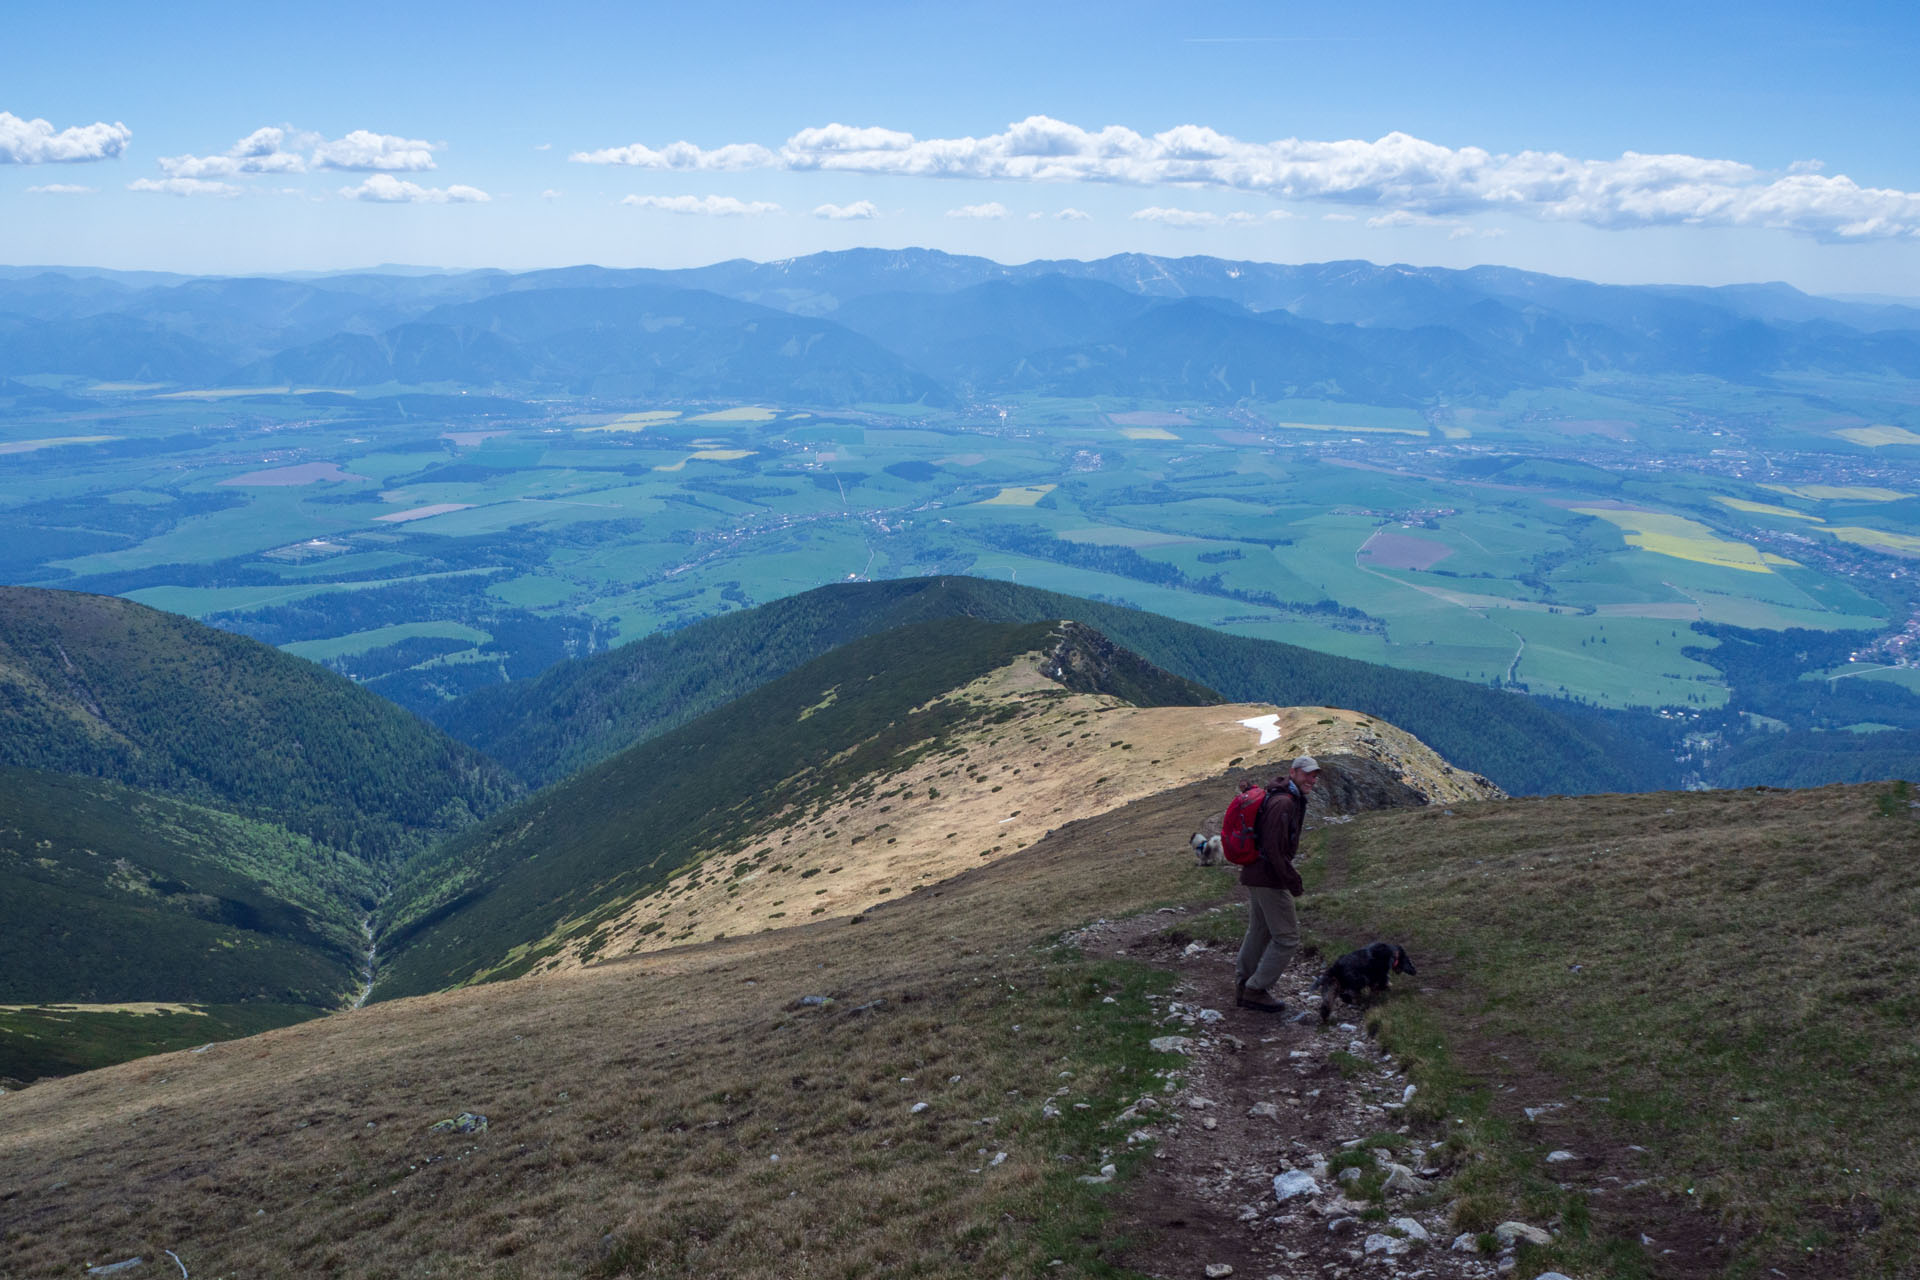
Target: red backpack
{"type": "Point", "coordinates": [1237, 839]}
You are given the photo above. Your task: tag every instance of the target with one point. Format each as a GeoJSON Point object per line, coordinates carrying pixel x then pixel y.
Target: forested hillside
{"type": "Point", "coordinates": [584, 710]}
{"type": "Point", "coordinates": [115, 896]}
{"type": "Point", "coordinates": [106, 688]}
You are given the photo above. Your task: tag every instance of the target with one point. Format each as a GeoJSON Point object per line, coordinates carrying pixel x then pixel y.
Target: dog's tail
{"type": "Point", "coordinates": [1325, 986]}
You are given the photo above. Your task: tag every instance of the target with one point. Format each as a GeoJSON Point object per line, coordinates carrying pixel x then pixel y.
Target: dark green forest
{"type": "Point", "coordinates": [106, 688]}
{"type": "Point", "coordinates": [582, 711]}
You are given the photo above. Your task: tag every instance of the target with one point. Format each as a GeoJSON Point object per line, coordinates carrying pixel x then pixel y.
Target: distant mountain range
{"type": "Point", "coordinates": [915, 325]}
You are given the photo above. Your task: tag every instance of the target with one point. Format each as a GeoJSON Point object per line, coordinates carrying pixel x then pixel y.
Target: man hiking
{"type": "Point", "coordinates": [1272, 884]}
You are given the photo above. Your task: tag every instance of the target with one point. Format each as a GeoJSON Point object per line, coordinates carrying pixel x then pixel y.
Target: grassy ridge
{"type": "Point", "coordinates": [103, 687]}
{"type": "Point", "coordinates": [1723, 978]}
{"type": "Point", "coordinates": [584, 710]}
{"type": "Point", "coordinates": [606, 835]}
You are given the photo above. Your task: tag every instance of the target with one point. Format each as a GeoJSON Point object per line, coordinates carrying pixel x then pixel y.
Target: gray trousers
{"type": "Point", "coordinates": [1273, 932]}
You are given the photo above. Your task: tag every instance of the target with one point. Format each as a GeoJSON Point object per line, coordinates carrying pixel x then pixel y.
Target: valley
{"type": "Point", "coordinates": [1581, 522]}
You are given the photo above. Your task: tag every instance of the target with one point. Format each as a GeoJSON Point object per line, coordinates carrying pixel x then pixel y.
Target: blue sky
{"type": "Point", "coordinates": [1705, 143]}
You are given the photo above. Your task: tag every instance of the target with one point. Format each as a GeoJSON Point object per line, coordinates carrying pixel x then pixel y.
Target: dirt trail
{"type": "Point", "coordinates": [1262, 1096]}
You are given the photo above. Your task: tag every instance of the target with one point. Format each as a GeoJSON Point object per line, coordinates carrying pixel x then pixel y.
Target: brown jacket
{"type": "Point", "coordinates": [1277, 830]}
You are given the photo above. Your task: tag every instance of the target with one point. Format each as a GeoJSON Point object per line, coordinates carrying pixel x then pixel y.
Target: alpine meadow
{"type": "Point", "coordinates": [840, 643]}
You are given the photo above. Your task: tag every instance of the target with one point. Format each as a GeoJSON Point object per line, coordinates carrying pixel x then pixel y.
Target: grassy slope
{"type": "Point", "coordinates": [1742, 1003]}
{"type": "Point", "coordinates": [117, 895]}
{"type": "Point", "coordinates": [634, 1107]}
{"type": "Point", "coordinates": [103, 687]}
{"type": "Point", "coordinates": [582, 711]}
{"type": "Point", "coordinates": [587, 846]}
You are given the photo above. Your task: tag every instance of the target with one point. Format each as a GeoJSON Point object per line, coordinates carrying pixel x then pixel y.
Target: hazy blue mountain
{"type": "Point", "coordinates": [917, 324]}
{"type": "Point", "coordinates": [638, 341]}
{"type": "Point", "coordinates": [109, 346]}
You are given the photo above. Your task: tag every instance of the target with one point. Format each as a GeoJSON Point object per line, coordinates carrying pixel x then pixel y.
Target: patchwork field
{"type": "Point", "coordinates": [331, 524]}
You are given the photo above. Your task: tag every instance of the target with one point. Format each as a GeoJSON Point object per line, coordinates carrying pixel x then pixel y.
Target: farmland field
{"type": "Point", "coordinates": [1517, 543]}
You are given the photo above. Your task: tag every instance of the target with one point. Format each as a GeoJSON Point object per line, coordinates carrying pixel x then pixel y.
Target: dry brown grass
{"type": "Point", "coordinates": [1002, 786]}
{"type": "Point", "coordinates": [635, 1106]}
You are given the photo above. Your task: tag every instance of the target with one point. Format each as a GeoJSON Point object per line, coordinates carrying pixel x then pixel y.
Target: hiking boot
{"type": "Point", "coordinates": [1260, 1002]}
{"type": "Point", "coordinates": [1239, 990]}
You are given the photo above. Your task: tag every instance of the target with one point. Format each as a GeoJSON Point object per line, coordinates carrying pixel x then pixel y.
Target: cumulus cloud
{"type": "Point", "coordinates": [991, 210]}
{"type": "Point", "coordinates": [858, 210]}
{"type": "Point", "coordinates": [1192, 219]}
{"type": "Point", "coordinates": [38, 142]}
{"type": "Point", "coordinates": [384, 188]}
{"type": "Point", "coordinates": [551, 193]}
{"type": "Point", "coordinates": [1071, 214]}
{"type": "Point", "coordinates": [61, 189]}
{"type": "Point", "coordinates": [709, 206]}
{"type": "Point", "coordinates": [681, 156]}
{"type": "Point", "coordinates": [363, 151]}
{"type": "Point", "coordinates": [278, 150]}
{"type": "Point", "coordinates": [184, 187]}
{"type": "Point", "coordinates": [1393, 172]}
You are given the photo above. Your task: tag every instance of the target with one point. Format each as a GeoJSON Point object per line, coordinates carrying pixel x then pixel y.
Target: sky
{"type": "Point", "coordinates": [1704, 143]}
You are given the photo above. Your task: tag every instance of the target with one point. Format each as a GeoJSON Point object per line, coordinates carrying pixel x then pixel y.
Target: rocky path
{"type": "Point", "coordinates": [1251, 1150]}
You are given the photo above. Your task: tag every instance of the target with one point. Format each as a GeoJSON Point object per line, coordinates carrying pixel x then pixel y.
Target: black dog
{"type": "Point", "coordinates": [1359, 974]}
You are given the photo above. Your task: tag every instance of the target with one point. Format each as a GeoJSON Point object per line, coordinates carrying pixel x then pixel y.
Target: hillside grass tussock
{"type": "Point", "coordinates": [1725, 979]}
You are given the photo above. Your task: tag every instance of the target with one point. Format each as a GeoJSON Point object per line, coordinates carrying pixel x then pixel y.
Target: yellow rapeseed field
{"type": "Point", "coordinates": [1683, 539]}
{"type": "Point", "coordinates": [1764, 509]}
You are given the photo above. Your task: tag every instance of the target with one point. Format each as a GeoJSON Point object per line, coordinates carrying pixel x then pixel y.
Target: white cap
{"type": "Point", "coordinates": [1306, 764]}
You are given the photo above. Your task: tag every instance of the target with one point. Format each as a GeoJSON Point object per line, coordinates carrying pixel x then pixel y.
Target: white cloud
{"type": "Point", "coordinates": [1407, 218]}
{"type": "Point", "coordinates": [1191, 219]}
{"type": "Point", "coordinates": [681, 156]}
{"type": "Point", "coordinates": [1393, 172]}
{"type": "Point", "coordinates": [858, 210]}
{"type": "Point", "coordinates": [384, 188]}
{"type": "Point", "coordinates": [183, 187]}
{"type": "Point", "coordinates": [1339, 217]}
{"type": "Point", "coordinates": [710, 206]}
{"type": "Point", "coordinates": [1074, 215]}
{"type": "Point", "coordinates": [61, 189]}
{"type": "Point", "coordinates": [364, 152]}
{"type": "Point", "coordinates": [38, 142]}
{"type": "Point", "coordinates": [991, 210]}
{"type": "Point", "coordinates": [551, 193]}
{"type": "Point", "coordinates": [543, 146]}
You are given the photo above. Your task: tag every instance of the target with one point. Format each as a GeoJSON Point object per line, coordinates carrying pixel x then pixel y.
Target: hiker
{"type": "Point", "coordinates": [1272, 884]}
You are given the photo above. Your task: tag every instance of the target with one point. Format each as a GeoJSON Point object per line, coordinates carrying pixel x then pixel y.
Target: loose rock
{"type": "Point", "coordinates": [1170, 1044]}
{"type": "Point", "coordinates": [1294, 1183]}
{"type": "Point", "coordinates": [1401, 1178]}
{"type": "Point", "coordinates": [465, 1122]}
{"type": "Point", "coordinates": [1509, 1232]}
{"type": "Point", "coordinates": [1218, 1270]}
